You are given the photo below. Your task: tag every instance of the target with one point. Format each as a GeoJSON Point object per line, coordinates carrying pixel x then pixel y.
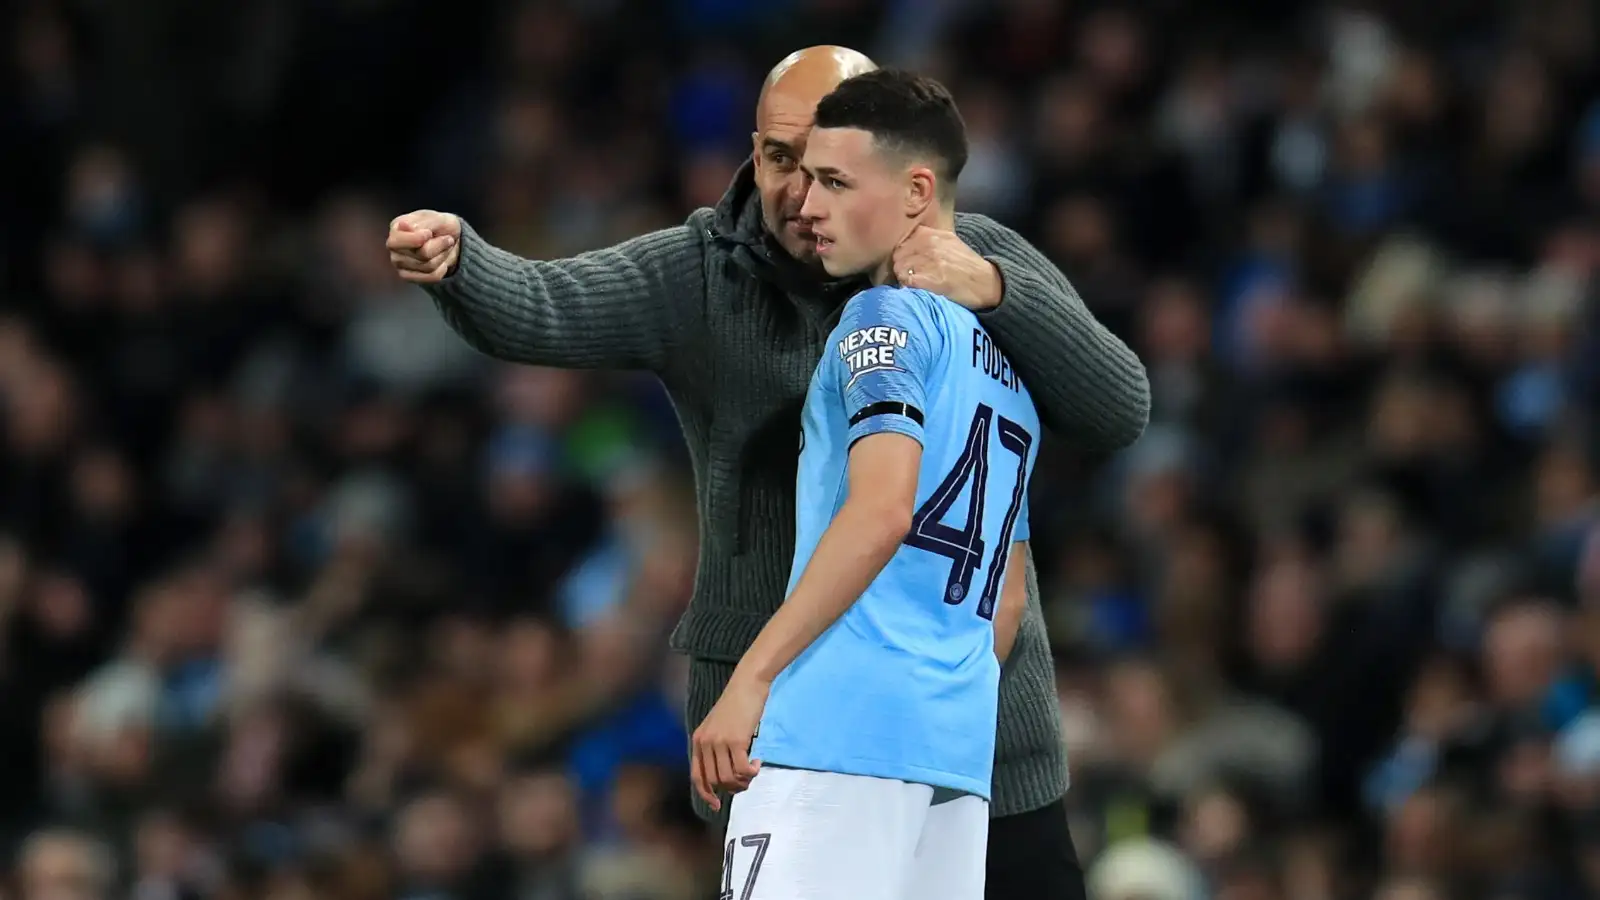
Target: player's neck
{"type": "Point", "coordinates": [939, 217]}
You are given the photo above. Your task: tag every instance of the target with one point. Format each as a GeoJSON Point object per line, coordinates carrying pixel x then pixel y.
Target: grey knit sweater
{"type": "Point", "coordinates": [734, 329]}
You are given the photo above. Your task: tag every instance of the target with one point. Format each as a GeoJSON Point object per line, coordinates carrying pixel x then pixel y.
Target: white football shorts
{"type": "Point", "coordinates": [796, 834]}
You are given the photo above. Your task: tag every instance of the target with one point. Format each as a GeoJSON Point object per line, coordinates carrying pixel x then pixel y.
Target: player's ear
{"type": "Point", "coordinates": [920, 191]}
{"type": "Point", "coordinates": [755, 147]}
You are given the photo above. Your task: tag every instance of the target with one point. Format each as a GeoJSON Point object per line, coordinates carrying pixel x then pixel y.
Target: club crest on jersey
{"type": "Point", "coordinates": [871, 349]}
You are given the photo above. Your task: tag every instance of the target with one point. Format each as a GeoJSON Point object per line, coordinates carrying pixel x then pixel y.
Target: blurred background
{"type": "Point", "coordinates": [303, 599]}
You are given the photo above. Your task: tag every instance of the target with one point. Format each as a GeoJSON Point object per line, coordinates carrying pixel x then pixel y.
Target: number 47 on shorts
{"type": "Point", "coordinates": [757, 844]}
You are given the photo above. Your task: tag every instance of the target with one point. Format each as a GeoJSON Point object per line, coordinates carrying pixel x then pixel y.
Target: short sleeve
{"type": "Point", "coordinates": [884, 352]}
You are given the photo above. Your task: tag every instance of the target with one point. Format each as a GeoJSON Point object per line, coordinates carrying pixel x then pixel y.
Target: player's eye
{"type": "Point", "coordinates": [835, 184]}
{"type": "Point", "coordinates": [780, 159]}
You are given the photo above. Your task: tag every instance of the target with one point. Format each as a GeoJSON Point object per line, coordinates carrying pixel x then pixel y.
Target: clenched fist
{"type": "Point", "coordinates": [424, 245]}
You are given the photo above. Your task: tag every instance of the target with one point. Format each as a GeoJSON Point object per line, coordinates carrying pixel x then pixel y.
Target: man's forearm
{"type": "Point", "coordinates": [1090, 386]}
{"type": "Point", "coordinates": [623, 307]}
{"type": "Point", "coordinates": [853, 550]}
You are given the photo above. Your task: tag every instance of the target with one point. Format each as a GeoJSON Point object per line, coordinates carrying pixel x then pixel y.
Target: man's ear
{"type": "Point", "coordinates": [921, 191]}
{"type": "Point", "coordinates": [755, 147]}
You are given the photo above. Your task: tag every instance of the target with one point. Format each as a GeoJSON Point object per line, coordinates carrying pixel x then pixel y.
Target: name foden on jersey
{"type": "Point", "coordinates": [987, 357]}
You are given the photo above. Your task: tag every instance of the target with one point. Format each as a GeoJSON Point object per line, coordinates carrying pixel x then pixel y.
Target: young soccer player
{"type": "Point", "coordinates": [875, 685]}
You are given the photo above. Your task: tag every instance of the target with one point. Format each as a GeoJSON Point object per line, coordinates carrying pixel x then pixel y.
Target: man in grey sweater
{"type": "Point", "coordinates": [731, 311]}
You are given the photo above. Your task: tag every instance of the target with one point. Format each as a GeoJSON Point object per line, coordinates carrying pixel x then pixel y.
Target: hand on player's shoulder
{"type": "Point", "coordinates": [424, 245]}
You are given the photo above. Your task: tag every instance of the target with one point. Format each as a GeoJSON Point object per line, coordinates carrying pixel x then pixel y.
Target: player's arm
{"type": "Point", "coordinates": [858, 543]}
{"type": "Point", "coordinates": [1090, 387]}
{"type": "Point", "coordinates": [1013, 600]}
{"type": "Point", "coordinates": [882, 377]}
{"type": "Point", "coordinates": [854, 548]}
{"type": "Point", "coordinates": [622, 307]}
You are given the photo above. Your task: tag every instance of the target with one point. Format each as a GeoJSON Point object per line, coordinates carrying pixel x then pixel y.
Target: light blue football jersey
{"type": "Point", "coordinates": [905, 685]}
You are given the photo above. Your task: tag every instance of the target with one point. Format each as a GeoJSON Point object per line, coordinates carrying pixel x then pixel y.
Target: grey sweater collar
{"type": "Point", "coordinates": [737, 228]}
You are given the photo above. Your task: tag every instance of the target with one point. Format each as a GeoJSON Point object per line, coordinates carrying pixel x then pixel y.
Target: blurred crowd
{"type": "Point", "coordinates": [303, 599]}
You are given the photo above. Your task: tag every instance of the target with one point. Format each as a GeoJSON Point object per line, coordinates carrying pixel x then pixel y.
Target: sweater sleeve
{"type": "Point", "coordinates": [1091, 388]}
{"type": "Point", "coordinates": [623, 307]}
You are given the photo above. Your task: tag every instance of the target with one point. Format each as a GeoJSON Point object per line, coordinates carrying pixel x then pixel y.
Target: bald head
{"type": "Point", "coordinates": [804, 77]}
{"type": "Point", "coordinates": [788, 104]}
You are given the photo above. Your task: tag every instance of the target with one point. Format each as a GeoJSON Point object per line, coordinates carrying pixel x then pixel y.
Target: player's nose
{"type": "Point", "coordinates": [812, 207]}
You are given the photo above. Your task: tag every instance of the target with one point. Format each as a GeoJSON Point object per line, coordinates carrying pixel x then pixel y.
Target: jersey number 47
{"type": "Point", "coordinates": [964, 546]}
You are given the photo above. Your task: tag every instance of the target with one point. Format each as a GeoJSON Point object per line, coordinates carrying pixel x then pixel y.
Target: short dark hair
{"type": "Point", "coordinates": [905, 113]}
